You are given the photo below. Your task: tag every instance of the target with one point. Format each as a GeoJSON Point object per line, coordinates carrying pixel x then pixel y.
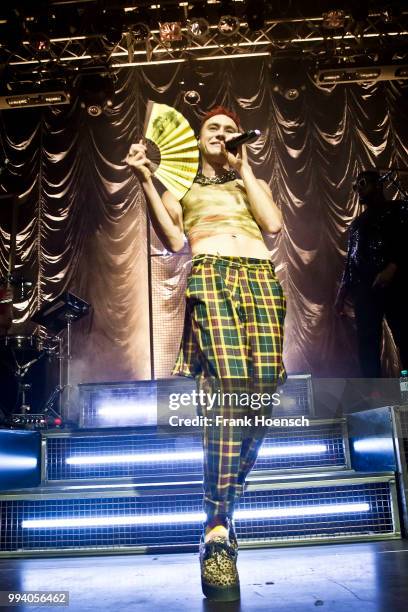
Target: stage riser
{"type": "Point", "coordinates": [379, 442]}
{"type": "Point", "coordinates": [318, 447]}
{"type": "Point", "coordinates": [101, 405]}
{"type": "Point", "coordinates": [306, 512]}
{"type": "Point", "coordinates": [400, 417]}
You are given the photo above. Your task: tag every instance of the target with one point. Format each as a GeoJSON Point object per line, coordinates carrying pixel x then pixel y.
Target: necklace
{"type": "Point", "coordinates": [229, 175]}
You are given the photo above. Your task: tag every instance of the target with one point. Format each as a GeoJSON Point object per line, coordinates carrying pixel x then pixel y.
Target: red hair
{"type": "Point", "coordinates": [221, 110]}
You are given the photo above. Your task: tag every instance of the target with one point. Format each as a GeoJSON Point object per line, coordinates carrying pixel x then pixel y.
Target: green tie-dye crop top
{"type": "Point", "coordinates": [218, 209]}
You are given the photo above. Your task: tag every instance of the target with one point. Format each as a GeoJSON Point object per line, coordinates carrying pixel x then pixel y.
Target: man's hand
{"type": "Point", "coordinates": [263, 208]}
{"type": "Point", "coordinates": [385, 277]}
{"type": "Point", "coordinates": [137, 160]}
{"type": "Point", "coordinates": [237, 161]}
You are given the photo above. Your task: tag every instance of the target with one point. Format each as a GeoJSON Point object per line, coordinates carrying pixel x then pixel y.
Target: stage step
{"type": "Point", "coordinates": [143, 454]}
{"type": "Point", "coordinates": [142, 403]}
{"type": "Point", "coordinates": [330, 507]}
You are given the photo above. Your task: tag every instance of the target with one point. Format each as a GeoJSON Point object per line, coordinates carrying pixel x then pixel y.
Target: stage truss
{"type": "Point", "coordinates": [292, 37]}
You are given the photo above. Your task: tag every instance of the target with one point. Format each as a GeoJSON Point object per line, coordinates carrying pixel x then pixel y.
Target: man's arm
{"type": "Point", "coordinates": [265, 211]}
{"type": "Point", "coordinates": [166, 216]}
{"type": "Point", "coordinates": [165, 213]}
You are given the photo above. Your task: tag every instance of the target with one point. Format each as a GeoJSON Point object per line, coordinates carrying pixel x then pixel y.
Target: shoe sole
{"type": "Point", "coordinates": [215, 593]}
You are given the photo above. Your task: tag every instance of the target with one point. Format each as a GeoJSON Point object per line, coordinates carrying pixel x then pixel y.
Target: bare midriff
{"type": "Point", "coordinates": [231, 245]}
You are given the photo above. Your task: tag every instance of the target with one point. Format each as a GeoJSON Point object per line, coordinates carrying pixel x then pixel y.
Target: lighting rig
{"type": "Point", "coordinates": [368, 41]}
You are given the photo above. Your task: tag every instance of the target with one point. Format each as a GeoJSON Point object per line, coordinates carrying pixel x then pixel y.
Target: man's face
{"type": "Point", "coordinates": [215, 130]}
{"type": "Point", "coordinates": [367, 189]}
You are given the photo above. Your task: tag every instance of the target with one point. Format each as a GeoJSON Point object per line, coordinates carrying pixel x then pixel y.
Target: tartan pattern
{"type": "Point", "coordinates": [233, 326]}
{"type": "Point", "coordinates": [228, 458]}
{"type": "Point", "coordinates": [233, 336]}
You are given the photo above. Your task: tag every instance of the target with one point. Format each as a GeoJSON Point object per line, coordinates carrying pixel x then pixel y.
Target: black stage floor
{"type": "Point", "coordinates": [368, 577]}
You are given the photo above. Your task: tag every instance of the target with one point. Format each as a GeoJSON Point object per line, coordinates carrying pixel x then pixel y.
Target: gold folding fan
{"type": "Point", "coordinates": [175, 152]}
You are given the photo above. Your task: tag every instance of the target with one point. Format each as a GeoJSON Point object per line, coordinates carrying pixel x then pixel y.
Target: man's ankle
{"type": "Point", "coordinates": [215, 521]}
{"type": "Point", "coordinates": [219, 531]}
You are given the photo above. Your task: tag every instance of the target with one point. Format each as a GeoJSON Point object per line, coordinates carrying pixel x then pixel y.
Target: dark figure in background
{"type": "Point", "coordinates": [37, 376]}
{"type": "Point", "coordinates": [375, 275]}
{"type": "Point", "coordinates": [6, 309]}
{"type": "Point", "coordinates": [7, 397]}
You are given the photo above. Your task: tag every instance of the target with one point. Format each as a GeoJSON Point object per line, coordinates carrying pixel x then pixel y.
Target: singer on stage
{"type": "Point", "coordinates": [235, 310]}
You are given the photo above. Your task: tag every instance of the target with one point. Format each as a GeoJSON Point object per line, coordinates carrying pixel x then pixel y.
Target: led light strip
{"type": "Point", "coordinates": [17, 462]}
{"type": "Point", "coordinates": [266, 451]}
{"type": "Point", "coordinates": [121, 409]}
{"type": "Point", "coordinates": [294, 449]}
{"type": "Point", "coordinates": [194, 517]}
{"type": "Point", "coordinates": [373, 445]}
{"type": "Point", "coordinates": [134, 458]}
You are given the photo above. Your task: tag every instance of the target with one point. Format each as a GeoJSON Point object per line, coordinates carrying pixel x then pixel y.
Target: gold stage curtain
{"type": "Point", "coordinates": [82, 223]}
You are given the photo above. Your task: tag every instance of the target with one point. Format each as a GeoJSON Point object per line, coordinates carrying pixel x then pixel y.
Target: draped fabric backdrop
{"type": "Point", "coordinates": [82, 223]}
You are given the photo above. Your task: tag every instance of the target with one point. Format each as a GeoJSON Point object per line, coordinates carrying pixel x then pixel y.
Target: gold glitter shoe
{"type": "Point", "coordinates": [229, 524]}
{"type": "Point", "coordinates": [219, 574]}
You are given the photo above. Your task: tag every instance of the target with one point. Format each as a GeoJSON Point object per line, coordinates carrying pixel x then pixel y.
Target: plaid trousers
{"type": "Point", "coordinates": [232, 340]}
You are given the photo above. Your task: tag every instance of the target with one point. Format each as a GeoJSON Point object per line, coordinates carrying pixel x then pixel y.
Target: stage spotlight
{"type": "Point", "coordinates": [191, 97]}
{"type": "Point", "coordinates": [288, 78]}
{"type": "Point", "coordinates": [334, 19]}
{"type": "Point", "coordinates": [96, 93]}
{"type": "Point", "coordinates": [40, 26]}
{"type": "Point", "coordinates": [198, 27]}
{"type": "Point", "coordinates": [170, 20]}
{"type": "Point", "coordinates": [291, 93]}
{"type": "Point", "coordinates": [228, 25]}
{"type": "Point", "coordinates": [391, 13]}
{"type": "Point", "coordinates": [170, 31]}
{"type": "Point", "coordinates": [198, 20]}
{"type": "Point", "coordinates": [191, 84]}
{"type": "Point", "coordinates": [140, 32]}
{"type": "Point", "coordinates": [40, 42]}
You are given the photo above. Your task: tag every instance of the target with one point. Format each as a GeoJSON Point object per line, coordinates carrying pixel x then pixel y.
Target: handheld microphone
{"type": "Point", "coordinates": [249, 136]}
{"type": "Point", "coordinates": [385, 176]}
